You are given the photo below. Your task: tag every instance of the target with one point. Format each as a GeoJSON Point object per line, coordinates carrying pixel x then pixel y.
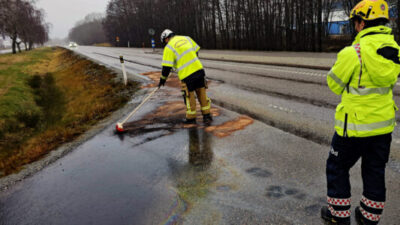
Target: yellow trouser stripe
{"type": "Point", "coordinates": [208, 107]}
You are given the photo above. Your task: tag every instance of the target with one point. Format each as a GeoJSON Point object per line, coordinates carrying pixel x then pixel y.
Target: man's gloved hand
{"type": "Point", "coordinates": [162, 82]}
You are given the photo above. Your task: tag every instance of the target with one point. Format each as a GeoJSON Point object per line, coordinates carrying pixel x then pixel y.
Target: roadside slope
{"type": "Point", "coordinates": [49, 97]}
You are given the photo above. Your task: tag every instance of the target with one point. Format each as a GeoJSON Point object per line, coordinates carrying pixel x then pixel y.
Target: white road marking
{"type": "Point", "coordinates": [282, 70]}
{"type": "Point", "coordinates": [275, 69]}
{"type": "Point", "coordinates": [281, 108]}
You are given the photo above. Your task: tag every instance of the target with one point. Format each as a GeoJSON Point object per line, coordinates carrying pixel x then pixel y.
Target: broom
{"type": "Point", "coordinates": [120, 126]}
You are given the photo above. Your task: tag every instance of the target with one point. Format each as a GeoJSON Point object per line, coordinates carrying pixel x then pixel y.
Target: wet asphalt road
{"type": "Point", "coordinates": [296, 100]}
{"type": "Point", "coordinates": [5, 51]}
{"type": "Point", "coordinates": [161, 173]}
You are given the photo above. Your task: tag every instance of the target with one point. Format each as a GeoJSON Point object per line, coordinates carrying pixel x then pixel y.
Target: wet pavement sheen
{"type": "Point", "coordinates": [149, 175]}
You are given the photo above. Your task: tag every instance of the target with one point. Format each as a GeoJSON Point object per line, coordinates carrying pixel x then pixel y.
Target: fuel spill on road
{"type": "Point", "coordinates": [157, 172]}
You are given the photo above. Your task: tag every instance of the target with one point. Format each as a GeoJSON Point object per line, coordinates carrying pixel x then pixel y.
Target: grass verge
{"type": "Point", "coordinates": [49, 97]}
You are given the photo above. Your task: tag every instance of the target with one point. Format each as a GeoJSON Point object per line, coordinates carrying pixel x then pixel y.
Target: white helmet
{"type": "Point", "coordinates": [167, 33]}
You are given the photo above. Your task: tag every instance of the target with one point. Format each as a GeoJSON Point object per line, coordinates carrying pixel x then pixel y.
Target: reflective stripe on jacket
{"type": "Point", "coordinates": [365, 80]}
{"type": "Point", "coordinates": [181, 53]}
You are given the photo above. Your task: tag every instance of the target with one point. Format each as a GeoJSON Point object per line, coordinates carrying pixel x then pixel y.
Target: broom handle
{"type": "Point", "coordinates": [141, 104]}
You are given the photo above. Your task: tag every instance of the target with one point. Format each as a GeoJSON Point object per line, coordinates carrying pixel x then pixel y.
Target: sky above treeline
{"type": "Point", "coordinates": [63, 14]}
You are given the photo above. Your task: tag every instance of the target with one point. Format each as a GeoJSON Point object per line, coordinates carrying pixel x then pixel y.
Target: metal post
{"type": "Point", "coordinates": [153, 44]}
{"type": "Point", "coordinates": [121, 58]}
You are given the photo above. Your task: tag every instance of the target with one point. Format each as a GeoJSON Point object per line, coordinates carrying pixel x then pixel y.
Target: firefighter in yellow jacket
{"type": "Point", "coordinates": [364, 75]}
{"type": "Point", "coordinates": [181, 53]}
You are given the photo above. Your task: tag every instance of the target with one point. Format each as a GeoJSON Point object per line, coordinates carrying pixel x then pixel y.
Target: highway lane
{"type": "Point", "coordinates": [299, 96]}
{"type": "Point", "coordinates": [161, 173]}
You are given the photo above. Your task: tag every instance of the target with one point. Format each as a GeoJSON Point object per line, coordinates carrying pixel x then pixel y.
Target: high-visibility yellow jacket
{"type": "Point", "coordinates": [365, 79]}
{"type": "Point", "coordinates": [181, 54]}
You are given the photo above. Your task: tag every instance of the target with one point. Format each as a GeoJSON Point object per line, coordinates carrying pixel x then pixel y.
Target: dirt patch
{"type": "Point", "coordinates": [226, 129]}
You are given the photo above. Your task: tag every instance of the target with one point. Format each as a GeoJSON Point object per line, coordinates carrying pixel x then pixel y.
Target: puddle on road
{"type": "Point", "coordinates": [176, 212]}
{"type": "Point", "coordinates": [195, 178]}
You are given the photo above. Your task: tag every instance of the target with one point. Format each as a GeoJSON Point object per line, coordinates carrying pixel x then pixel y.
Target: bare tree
{"type": "Point", "coordinates": [21, 21]}
{"type": "Point", "coordinates": [239, 24]}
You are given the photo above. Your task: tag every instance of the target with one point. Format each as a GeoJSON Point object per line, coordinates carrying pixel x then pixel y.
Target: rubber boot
{"type": "Point", "coordinates": [330, 219]}
{"type": "Point", "coordinates": [361, 220]}
{"type": "Point", "coordinates": [189, 121]}
{"type": "Point", "coordinates": [207, 119]}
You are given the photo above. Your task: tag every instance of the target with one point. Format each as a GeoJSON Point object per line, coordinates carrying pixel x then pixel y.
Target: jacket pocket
{"type": "Point", "coordinates": [340, 107]}
{"type": "Point", "coordinates": [359, 114]}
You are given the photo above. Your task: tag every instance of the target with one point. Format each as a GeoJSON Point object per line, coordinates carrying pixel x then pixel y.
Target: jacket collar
{"type": "Point", "coordinates": [372, 30]}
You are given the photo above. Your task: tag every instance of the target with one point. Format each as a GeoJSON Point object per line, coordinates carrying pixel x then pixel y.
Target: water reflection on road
{"type": "Point", "coordinates": [200, 151]}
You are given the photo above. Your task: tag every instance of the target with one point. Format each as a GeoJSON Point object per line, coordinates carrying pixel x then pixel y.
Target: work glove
{"type": "Point", "coordinates": [162, 82]}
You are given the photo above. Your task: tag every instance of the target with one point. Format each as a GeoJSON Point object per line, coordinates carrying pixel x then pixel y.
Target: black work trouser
{"type": "Point", "coordinates": [345, 152]}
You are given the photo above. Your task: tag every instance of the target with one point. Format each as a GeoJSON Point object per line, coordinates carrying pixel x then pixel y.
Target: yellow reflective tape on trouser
{"type": "Point", "coordinates": [336, 79]}
{"type": "Point", "coordinates": [188, 107]}
{"type": "Point", "coordinates": [207, 107]}
{"type": "Point", "coordinates": [163, 77]}
{"type": "Point", "coordinates": [366, 127]}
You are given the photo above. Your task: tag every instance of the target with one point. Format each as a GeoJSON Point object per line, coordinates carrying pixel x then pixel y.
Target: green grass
{"type": "Point", "coordinates": [50, 96]}
{"type": "Point", "coordinates": [15, 94]}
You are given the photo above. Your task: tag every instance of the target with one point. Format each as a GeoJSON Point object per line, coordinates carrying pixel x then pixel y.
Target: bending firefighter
{"type": "Point", "coordinates": [364, 75]}
{"type": "Point", "coordinates": [181, 53]}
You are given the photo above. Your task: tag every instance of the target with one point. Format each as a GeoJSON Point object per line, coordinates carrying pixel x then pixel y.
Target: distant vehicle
{"type": "Point", "coordinates": [73, 45]}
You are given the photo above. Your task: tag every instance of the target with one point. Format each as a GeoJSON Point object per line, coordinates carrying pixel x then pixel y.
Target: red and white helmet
{"type": "Point", "coordinates": [167, 33]}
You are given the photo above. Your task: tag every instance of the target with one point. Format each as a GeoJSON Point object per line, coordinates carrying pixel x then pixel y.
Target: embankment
{"type": "Point", "coordinates": [48, 97]}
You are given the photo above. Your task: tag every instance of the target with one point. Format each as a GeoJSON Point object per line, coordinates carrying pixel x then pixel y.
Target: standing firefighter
{"type": "Point", "coordinates": [181, 52]}
{"type": "Point", "coordinates": [364, 74]}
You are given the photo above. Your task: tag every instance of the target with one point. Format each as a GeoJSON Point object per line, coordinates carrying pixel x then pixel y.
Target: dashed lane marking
{"type": "Point", "coordinates": [256, 67]}
{"type": "Point", "coordinates": [276, 69]}
{"type": "Point", "coordinates": [281, 108]}
{"type": "Point", "coordinates": [282, 70]}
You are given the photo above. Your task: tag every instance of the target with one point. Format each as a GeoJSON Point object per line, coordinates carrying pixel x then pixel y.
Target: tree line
{"type": "Point", "coordinates": [295, 25]}
{"type": "Point", "coordinates": [23, 23]}
{"type": "Point", "coordinates": [89, 31]}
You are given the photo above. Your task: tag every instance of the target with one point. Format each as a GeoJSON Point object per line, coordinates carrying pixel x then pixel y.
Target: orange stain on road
{"type": "Point", "coordinates": [172, 112]}
{"type": "Point", "coordinates": [172, 81]}
{"type": "Point", "coordinates": [227, 128]}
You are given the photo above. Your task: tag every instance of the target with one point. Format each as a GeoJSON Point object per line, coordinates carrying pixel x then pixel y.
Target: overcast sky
{"type": "Point", "coordinates": [63, 14]}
